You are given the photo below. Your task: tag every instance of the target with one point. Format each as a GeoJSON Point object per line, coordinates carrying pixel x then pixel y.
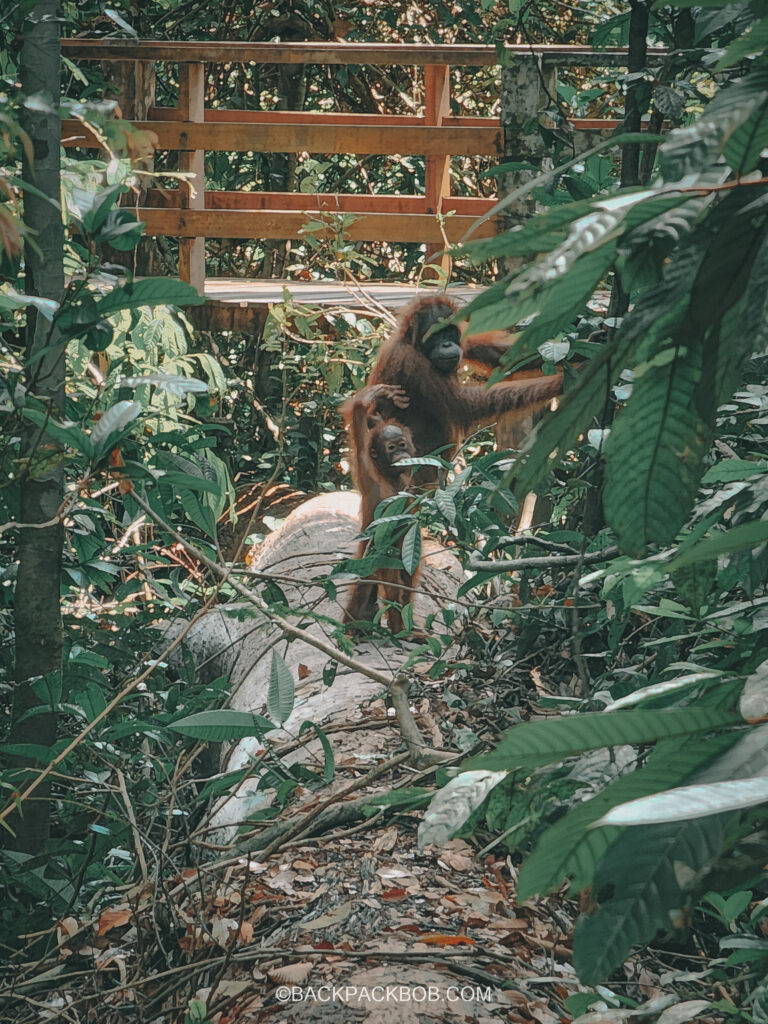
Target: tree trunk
{"type": "Point", "coordinates": [37, 598]}
{"type": "Point", "coordinates": [630, 155]}
{"type": "Point", "coordinates": [132, 84]}
{"type": "Point", "coordinates": [594, 520]}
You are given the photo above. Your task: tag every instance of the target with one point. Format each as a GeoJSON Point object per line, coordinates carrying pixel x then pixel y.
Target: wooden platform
{"type": "Point", "coordinates": [235, 304]}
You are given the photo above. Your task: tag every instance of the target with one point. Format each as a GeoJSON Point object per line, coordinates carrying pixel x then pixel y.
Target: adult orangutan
{"type": "Point", "coordinates": [442, 411]}
{"type": "Point", "coordinates": [424, 397]}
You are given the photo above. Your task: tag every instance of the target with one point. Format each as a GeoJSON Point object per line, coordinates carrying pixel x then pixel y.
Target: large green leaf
{"type": "Point", "coordinates": [650, 871]}
{"type": "Point", "coordinates": [570, 850]}
{"type": "Point", "coordinates": [754, 40]}
{"type": "Point", "coordinates": [537, 743]}
{"type": "Point", "coordinates": [220, 726]}
{"type": "Point", "coordinates": [739, 538]}
{"type": "Point", "coordinates": [411, 550]}
{"type": "Point", "coordinates": [744, 146]}
{"type": "Point", "coordinates": [562, 301]}
{"type": "Point", "coordinates": [754, 309]}
{"type": "Point", "coordinates": [542, 233]}
{"type": "Point", "coordinates": [688, 802]}
{"type": "Point", "coordinates": [690, 150]}
{"type": "Point", "coordinates": [154, 291]}
{"type": "Point", "coordinates": [650, 486]}
{"type": "Point", "coordinates": [282, 690]}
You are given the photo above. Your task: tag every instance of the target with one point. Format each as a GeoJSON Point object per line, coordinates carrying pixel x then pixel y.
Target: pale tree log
{"type": "Point", "coordinates": [37, 598]}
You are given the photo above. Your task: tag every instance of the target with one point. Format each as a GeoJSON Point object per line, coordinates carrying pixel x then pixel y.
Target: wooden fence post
{"type": "Point", "coordinates": [437, 179]}
{"type": "Point", "coordinates": [192, 109]}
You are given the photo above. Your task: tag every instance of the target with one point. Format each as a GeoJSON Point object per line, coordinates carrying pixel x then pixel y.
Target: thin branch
{"type": "Point", "coordinates": [528, 538]}
{"type": "Point", "coordinates": [287, 627]}
{"type": "Point", "coordinates": [553, 562]}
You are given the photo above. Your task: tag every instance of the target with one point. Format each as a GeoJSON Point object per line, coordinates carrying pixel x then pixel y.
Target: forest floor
{"type": "Point", "coordinates": [353, 923]}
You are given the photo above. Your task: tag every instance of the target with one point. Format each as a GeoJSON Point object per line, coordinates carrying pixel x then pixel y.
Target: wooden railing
{"type": "Point", "coordinates": [194, 214]}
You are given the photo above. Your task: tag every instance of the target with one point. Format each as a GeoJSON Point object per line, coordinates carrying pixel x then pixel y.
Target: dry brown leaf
{"type": "Point", "coordinates": [291, 974]}
{"type": "Point", "coordinates": [116, 917]}
{"type": "Point", "coordinates": [337, 916]}
{"type": "Point", "coordinates": [447, 940]}
{"type": "Point", "coordinates": [387, 841]}
{"type": "Point", "coordinates": [456, 861]}
{"type": "Point", "coordinates": [221, 929]}
{"type": "Point", "coordinates": [283, 881]}
{"type": "Point", "coordinates": [67, 926]}
{"type": "Point", "coordinates": [394, 894]}
{"type": "Point", "coordinates": [303, 671]}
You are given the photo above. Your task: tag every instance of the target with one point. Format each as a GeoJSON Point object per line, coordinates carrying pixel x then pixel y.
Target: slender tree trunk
{"type": "Point", "coordinates": [37, 597]}
{"type": "Point", "coordinates": [630, 176]}
{"type": "Point", "coordinates": [630, 155]}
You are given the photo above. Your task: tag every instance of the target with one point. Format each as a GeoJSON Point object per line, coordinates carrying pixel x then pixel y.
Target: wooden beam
{"type": "Point", "coordinates": [320, 117]}
{"type": "Point", "coordinates": [301, 138]}
{"type": "Point", "coordinates": [192, 193]}
{"type": "Point", "coordinates": [314, 202]}
{"type": "Point", "coordinates": [419, 54]}
{"type": "Point", "coordinates": [220, 115]}
{"type": "Point", "coordinates": [382, 227]}
{"type": "Point", "coordinates": [437, 174]}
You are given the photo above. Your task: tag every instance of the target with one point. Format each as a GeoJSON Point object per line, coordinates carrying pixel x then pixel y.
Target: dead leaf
{"type": "Point", "coordinates": [114, 918]}
{"type": "Point", "coordinates": [447, 940]}
{"type": "Point", "coordinates": [337, 916]}
{"type": "Point", "coordinates": [221, 929]}
{"type": "Point", "coordinates": [67, 926]}
{"type": "Point", "coordinates": [394, 894]}
{"type": "Point", "coordinates": [303, 671]}
{"type": "Point", "coordinates": [456, 861]}
{"type": "Point", "coordinates": [283, 881]}
{"type": "Point", "coordinates": [291, 974]}
{"type": "Point", "coordinates": [386, 842]}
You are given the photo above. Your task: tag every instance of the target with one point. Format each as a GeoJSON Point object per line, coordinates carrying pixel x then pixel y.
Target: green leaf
{"type": "Point", "coordinates": [690, 150]}
{"type": "Point", "coordinates": [649, 488]}
{"type": "Point", "coordinates": [155, 291]}
{"type": "Point", "coordinates": [112, 425]}
{"type": "Point", "coordinates": [221, 726]}
{"type": "Point", "coordinates": [688, 802]}
{"type": "Point", "coordinates": [743, 148]}
{"type": "Point", "coordinates": [733, 469]}
{"type": "Point", "coordinates": [754, 40]}
{"type": "Point", "coordinates": [281, 690]}
{"type": "Point", "coordinates": [754, 308]}
{"type": "Point", "coordinates": [537, 743]}
{"type": "Point", "coordinates": [411, 550]}
{"type": "Point", "coordinates": [655, 316]}
{"type": "Point", "coordinates": [446, 504]}
{"type": "Point", "coordinates": [739, 538]}
{"type": "Point", "coordinates": [65, 433]}
{"type": "Point", "coordinates": [329, 762]}
{"type": "Point", "coordinates": [651, 868]}
{"type": "Point", "coordinates": [694, 583]}
{"type": "Point", "coordinates": [569, 850]}
{"type": "Point", "coordinates": [559, 303]}
{"type": "Point", "coordinates": [627, 139]}
{"type": "Point", "coordinates": [11, 299]}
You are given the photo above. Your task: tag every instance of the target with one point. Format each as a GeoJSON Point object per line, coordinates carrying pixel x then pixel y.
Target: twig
{"type": "Point", "coordinates": [541, 542]}
{"type": "Point", "coordinates": [288, 628]}
{"type": "Point", "coordinates": [134, 826]}
{"type": "Point", "coordinates": [419, 752]}
{"type": "Point", "coordinates": [552, 562]}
